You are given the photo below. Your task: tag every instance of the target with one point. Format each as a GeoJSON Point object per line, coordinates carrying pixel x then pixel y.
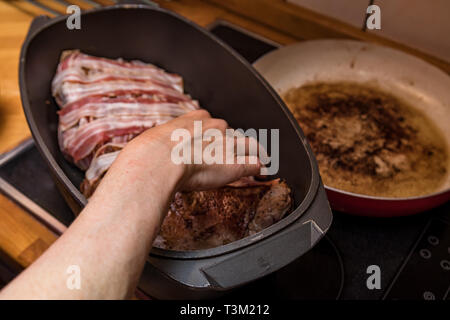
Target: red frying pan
{"type": "Point", "coordinates": [409, 78]}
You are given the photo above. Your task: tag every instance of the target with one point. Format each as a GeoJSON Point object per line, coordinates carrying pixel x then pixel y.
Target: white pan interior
{"type": "Point", "coordinates": [409, 78]}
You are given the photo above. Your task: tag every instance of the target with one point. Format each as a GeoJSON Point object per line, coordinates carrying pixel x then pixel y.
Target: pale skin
{"type": "Point", "coordinates": [112, 236]}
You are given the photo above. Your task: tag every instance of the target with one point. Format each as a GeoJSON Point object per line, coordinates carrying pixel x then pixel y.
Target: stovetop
{"type": "Point", "coordinates": [412, 253]}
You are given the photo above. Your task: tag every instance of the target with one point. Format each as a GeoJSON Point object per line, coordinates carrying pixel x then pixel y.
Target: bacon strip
{"type": "Point", "coordinates": [77, 62]}
{"type": "Point", "coordinates": [138, 96]}
{"type": "Point", "coordinates": [81, 141]}
{"type": "Point", "coordinates": [69, 92]}
{"type": "Point", "coordinates": [115, 144]}
{"type": "Point", "coordinates": [100, 165]}
{"type": "Point", "coordinates": [105, 103]}
{"type": "Point", "coordinates": [119, 108]}
{"type": "Point", "coordinates": [82, 78]}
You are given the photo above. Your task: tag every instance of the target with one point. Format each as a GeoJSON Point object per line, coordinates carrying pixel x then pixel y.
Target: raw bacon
{"type": "Point", "coordinates": [122, 107]}
{"type": "Point", "coordinates": [105, 103]}
{"type": "Point", "coordinates": [81, 141]}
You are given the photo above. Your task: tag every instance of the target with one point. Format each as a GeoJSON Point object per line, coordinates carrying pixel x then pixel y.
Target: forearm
{"type": "Point", "coordinates": [111, 238]}
{"type": "Point", "coordinates": [109, 241]}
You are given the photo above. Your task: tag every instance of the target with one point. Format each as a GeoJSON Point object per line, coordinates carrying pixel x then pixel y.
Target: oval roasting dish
{"type": "Point", "coordinates": [228, 87]}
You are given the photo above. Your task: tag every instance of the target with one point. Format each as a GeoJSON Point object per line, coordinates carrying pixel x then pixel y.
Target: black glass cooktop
{"type": "Point", "coordinates": [412, 253]}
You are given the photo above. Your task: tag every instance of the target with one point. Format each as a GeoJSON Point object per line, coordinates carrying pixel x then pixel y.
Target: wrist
{"type": "Point", "coordinates": [142, 180]}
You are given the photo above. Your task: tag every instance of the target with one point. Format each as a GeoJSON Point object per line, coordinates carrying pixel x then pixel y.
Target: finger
{"type": "Point", "coordinates": [247, 146]}
{"type": "Point", "coordinates": [242, 146]}
{"type": "Point", "coordinates": [215, 123]}
{"type": "Point", "coordinates": [197, 114]}
{"type": "Point", "coordinates": [188, 120]}
{"type": "Point", "coordinates": [246, 166]}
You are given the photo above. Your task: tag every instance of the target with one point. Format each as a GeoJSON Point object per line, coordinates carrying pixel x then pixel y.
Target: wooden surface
{"type": "Point", "coordinates": [22, 238]}
{"type": "Point", "coordinates": [13, 27]}
{"type": "Point", "coordinates": [302, 23]}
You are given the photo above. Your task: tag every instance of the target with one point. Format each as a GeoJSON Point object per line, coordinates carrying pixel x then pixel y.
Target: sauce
{"type": "Point", "coordinates": [369, 142]}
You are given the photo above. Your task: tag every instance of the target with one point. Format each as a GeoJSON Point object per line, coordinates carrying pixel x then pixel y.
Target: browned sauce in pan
{"type": "Point", "coordinates": [369, 142]}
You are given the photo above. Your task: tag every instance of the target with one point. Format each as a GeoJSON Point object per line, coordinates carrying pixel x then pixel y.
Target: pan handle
{"type": "Point", "coordinates": [41, 20]}
{"type": "Point", "coordinates": [279, 250]}
{"type": "Point", "coordinates": [254, 263]}
{"type": "Point", "coordinates": [144, 2]}
{"type": "Point", "coordinates": [36, 24]}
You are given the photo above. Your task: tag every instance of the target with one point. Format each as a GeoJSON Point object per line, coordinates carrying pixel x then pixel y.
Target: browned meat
{"type": "Point", "coordinates": [205, 219]}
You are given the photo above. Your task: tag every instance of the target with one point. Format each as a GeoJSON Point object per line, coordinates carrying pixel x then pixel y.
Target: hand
{"type": "Point", "coordinates": [156, 143]}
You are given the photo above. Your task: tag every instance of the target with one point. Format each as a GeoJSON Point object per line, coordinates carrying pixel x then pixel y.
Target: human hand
{"type": "Point", "coordinates": [154, 148]}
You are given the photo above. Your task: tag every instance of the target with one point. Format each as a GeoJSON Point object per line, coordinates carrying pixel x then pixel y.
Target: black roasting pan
{"type": "Point", "coordinates": [227, 86]}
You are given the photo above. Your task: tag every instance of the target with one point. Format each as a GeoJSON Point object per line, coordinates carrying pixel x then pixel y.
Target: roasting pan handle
{"type": "Point", "coordinates": [36, 24]}
{"type": "Point", "coordinates": [139, 2]}
{"type": "Point", "coordinates": [41, 20]}
{"type": "Point", "coordinates": [262, 258]}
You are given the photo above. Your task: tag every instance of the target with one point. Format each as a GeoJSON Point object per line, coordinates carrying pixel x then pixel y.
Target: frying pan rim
{"type": "Point", "coordinates": [365, 196]}
{"type": "Point", "coordinates": [81, 200]}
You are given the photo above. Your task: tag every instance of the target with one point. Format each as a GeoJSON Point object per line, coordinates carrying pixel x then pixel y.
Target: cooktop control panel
{"type": "Point", "coordinates": [430, 255]}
